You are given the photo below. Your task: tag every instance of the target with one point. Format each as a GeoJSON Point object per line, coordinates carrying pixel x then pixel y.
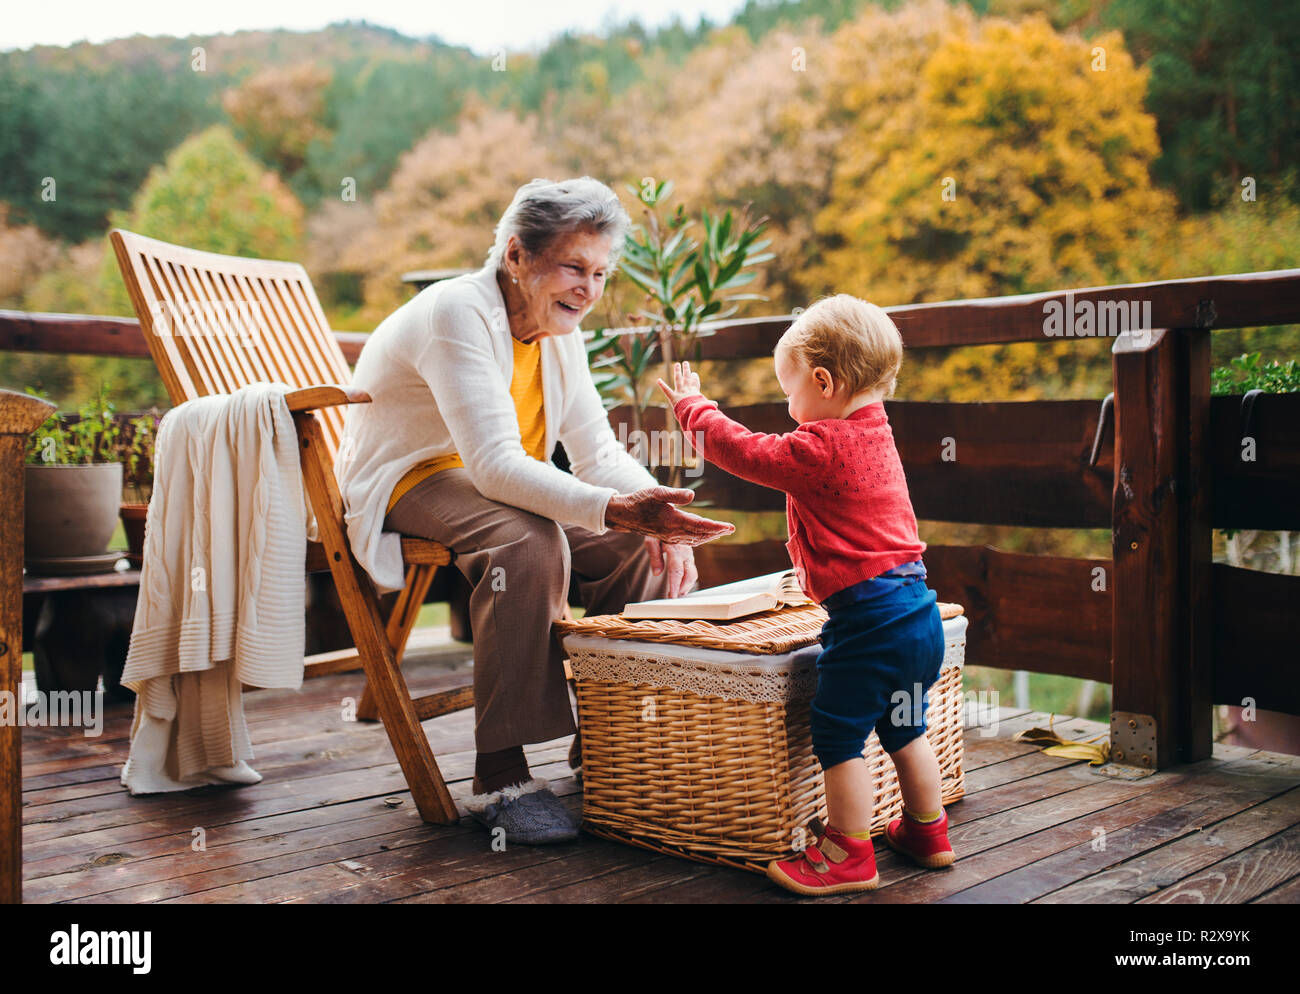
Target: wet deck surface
{"type": "Point", "coordinates": [317, 829]}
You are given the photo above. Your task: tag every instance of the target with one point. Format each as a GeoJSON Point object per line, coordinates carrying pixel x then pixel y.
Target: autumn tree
{"type": "Point", "coordinates": [736, 125]}
{"type": "Point", "coordinates": [441, 208]}
{"type": "Point", "coordinates": [211, 194]}
{"type": "Point", "coordinates": [1022, 162]}
{"type": "Point", "coordinates": [1242, 237]}
{"type": "Point", "coordinates": [25, 252]}
{"type": "Point", "coordinates": [277, 113]}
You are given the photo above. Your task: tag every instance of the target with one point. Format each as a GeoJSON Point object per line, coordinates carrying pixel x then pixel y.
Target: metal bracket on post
{"type": "Point", "coordinates": [1248, 412]}
{"type": "Point", "coordinates": [1132, 746]}
{"type": "Point", "coordinates": [1107, 405]}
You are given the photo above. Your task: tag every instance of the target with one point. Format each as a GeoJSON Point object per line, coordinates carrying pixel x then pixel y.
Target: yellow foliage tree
{"type": "Point", "coordinates": [737, 123]}
{"type": "Point", "coordinates": [1020, 163]}
{"type": "Point", "coordinates": [1244, 237]}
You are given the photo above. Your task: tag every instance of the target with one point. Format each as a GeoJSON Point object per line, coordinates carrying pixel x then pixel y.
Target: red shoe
{"type": "Point", "coordinates": [834, 864]}
{"type": "Point", "coordinates": [925, 842]}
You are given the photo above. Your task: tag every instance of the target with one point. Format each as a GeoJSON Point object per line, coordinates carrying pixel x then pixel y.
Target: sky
{"type": "Point", "coordinates": [482, 25]}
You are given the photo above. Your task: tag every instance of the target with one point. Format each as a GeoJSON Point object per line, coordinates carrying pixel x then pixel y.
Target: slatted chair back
{"type": "Point", "coordinates": [215, 323]}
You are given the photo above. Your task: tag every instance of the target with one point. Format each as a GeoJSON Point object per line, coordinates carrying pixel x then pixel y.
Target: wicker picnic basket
{"type": "Point", "coordinates": [696, 739]}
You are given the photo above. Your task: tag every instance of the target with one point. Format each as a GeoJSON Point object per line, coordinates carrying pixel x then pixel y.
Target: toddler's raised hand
{"type": "Point", "coordinates": [685, 383]}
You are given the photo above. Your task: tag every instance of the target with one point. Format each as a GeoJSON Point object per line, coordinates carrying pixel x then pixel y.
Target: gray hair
{"type": "Point", "coordinates": [542, 210]}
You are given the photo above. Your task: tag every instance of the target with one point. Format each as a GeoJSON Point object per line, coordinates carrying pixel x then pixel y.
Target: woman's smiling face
{"type": "Point", "coordinates": [560, 285]}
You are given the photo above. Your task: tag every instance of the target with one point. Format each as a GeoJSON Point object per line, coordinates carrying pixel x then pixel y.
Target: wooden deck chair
{"type": "Point", "coordinates": [215, 323]}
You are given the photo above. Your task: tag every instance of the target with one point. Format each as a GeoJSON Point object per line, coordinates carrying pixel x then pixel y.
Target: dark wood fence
{"type": "Point", "coordinates": [1171, 631]}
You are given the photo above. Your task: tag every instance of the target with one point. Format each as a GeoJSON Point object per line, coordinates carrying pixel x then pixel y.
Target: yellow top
{"type": "Point", "coordinates": [526, 392]}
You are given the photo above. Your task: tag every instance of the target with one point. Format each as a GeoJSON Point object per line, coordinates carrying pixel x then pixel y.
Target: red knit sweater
{"type": "Point", "coordinates": [847, 506]}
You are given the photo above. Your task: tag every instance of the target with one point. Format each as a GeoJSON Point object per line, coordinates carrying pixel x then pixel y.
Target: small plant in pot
{"type": "Point", "coordinates": [686, 282]}
{"type": "Point", "coordinates": [73, 491]}
{"type": "Point", "coordinates": [135, 451]}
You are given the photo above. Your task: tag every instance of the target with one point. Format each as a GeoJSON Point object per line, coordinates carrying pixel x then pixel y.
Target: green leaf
{"type": "Point", "coordinates": [654, 317]}
{"type": "Point", "coordinates": [724, 230]}
{"type": "Point", "coordinates": [701, 277]}
{"type": "Point", "coordinates": [672, 244]}
{"type": "Point", "coordinates": [739, 279]}
{"type": "Point", "coordinates": [729, 269]}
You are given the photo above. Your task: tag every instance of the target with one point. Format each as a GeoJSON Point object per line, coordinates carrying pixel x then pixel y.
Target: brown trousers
{"type": "Point", "coordinates": [523, 568]}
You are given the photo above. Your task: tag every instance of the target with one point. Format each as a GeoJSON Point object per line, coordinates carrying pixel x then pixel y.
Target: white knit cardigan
{"type": "Point", "coordinates": [438, 370]}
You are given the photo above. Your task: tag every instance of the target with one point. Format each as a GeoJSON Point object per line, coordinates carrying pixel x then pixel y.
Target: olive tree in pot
{"type": "Point", "coordinates": [684, 282]}
{"type": "Point", "coordinates": [73, 491]}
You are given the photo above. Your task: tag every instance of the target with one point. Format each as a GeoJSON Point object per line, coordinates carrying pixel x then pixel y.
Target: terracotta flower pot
{"type": "Point", "coordinates": [71, 511]}
{"type": "Point", "coordinates": [133, 519]}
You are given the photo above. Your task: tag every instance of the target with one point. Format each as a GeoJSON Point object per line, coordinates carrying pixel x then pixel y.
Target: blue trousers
{"type": "Point", "coordinates": [882, 648]}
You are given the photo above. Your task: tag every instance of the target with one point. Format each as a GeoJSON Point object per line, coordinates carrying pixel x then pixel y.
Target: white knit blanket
{"type": "Point", "coordinates": [222, 591]}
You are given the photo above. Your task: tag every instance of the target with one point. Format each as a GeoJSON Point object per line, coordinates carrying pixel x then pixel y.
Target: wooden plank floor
{"type": "Point", "coordinates": [1032, 828]}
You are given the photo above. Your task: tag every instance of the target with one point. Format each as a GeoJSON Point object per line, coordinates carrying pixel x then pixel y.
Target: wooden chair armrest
{"type": "Point", "coordinates": [325, 395]}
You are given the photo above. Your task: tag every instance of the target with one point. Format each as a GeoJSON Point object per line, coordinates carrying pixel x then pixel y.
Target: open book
{"type": "Point", "coordinates": [729, 601]}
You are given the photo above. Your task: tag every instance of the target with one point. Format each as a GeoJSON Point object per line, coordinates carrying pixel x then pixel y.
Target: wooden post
{"type": "Point", "coordinates": [1160, 536]}
{"type": "Point", "coordinates": [20, 415]}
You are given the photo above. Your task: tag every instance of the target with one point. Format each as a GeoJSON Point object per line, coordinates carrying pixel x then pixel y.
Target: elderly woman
{"type": "Point", "coordinates": [473, 382]}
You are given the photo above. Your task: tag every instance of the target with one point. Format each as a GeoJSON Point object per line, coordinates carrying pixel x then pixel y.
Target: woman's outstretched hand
{"type": "Point", "coordinates": [653, 511]}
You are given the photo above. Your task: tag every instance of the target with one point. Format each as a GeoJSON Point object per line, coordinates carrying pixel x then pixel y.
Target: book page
{"type": "Point", "coordinates": [728, 600]}
{"type": "Point", "coordinates": [769, 584]}
{"type": "Point", "coordinates": [790, 592]}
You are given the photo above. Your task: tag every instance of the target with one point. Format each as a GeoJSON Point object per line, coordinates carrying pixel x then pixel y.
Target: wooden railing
{"type": "Point", "coordinates": [88, 334]}
{"type": "Point", "coordinates": [1172, 632]}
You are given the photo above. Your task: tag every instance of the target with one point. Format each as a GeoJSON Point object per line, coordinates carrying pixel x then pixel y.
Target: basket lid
{"type": "Point", "coordinates": [770, 633]}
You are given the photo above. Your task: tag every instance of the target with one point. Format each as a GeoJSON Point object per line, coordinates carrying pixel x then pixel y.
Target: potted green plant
{"type": "Point", "coordinates": [73, 491]}
{"type": "Point", "coordinates": [135, 452]}
{"type": "Point", "coordinates": [685, 281]}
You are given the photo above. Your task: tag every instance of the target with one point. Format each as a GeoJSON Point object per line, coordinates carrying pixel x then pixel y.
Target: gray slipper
{"type": "Point", "coordinates": [528, 813]}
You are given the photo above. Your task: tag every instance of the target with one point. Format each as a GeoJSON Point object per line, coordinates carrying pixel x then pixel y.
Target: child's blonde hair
{"type": "Point", "coordinates": [856, 341]}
